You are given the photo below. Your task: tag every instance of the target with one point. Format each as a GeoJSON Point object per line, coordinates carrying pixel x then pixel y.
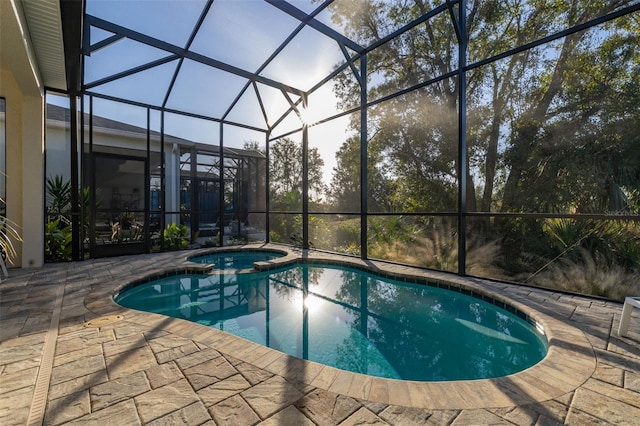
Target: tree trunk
{"type": "Point", "coordinates": [528, 126]}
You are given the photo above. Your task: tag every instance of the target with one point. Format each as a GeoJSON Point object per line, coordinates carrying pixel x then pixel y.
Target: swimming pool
{"type": "Point", "coordinates": [353, 320]}
{"type": "Point", "coordinates": [236, 259]}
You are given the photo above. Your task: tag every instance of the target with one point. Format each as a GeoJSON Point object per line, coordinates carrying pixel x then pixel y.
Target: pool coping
{"type": "Point", "coordinates": [570, 360]}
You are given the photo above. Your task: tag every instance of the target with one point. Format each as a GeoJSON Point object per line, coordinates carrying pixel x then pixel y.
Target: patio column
{"type": "Point", "coordinates": [32, 170]}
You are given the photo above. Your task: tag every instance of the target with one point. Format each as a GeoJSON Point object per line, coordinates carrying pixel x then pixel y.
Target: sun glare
{"type": "Point", "coordinates": [312, 303]}
{"type": "Point", "coordinates": [306, 117]}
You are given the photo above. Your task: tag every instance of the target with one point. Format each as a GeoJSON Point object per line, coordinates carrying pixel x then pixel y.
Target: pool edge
{"type": "Point", "coordinates": [570, 360]}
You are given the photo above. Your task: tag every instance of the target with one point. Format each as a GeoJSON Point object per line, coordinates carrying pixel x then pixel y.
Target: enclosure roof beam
{"type": "Point", "coordinates": [315, 24]}
{"type": "Point", "coordinates": [130, 71]}
{"type": "Point", "coordinates": [192, 37]}
{"type": "Point", "coordinates": [181, 52]}
{"type": "Point", "coordinates": [456, 21]}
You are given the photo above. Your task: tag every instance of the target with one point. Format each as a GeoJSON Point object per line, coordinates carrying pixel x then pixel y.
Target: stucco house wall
{"type": "Point", "coordinates": [21, 87]}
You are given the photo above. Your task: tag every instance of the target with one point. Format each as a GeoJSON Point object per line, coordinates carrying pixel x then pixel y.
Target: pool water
{"type": "Point", "coordinates": [236, 259]}
{"type": "Point", "coordinates": [352, 320]}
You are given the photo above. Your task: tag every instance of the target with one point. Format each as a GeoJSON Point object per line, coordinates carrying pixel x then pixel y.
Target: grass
{"type": "Point", "coordinates": [585, 274]}
{"type": "Point", "coordinates": [588, 274]}
{"type": "Point", "coordinates": [396, 240]}
{"type": "Point", "coordinates": [439, 250]}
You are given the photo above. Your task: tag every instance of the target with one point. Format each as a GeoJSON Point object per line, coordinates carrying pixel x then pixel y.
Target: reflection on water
{"type": "Point", "coordinates": [352, 320]}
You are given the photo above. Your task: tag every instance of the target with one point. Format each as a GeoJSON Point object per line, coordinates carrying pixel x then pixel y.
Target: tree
{"type": "Point", "coordinates": [415, 135]}
{"type": "Point", "coordinates": [541, 105]}
{"type": "Point", "coordinates": [252, 145]}
{"type": "Point", "coordinates": [285, 174]}
{"type": "Point", "coordinates": [345, 180]}
{"type": "Point", "coordinates": [583, 141]}
{"type": "Point", "coordinates": [509, 100]}
{"type": "Point", "coordinates": [549, 129]}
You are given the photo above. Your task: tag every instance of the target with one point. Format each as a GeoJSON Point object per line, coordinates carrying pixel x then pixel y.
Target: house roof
{"type": "Point", "coordinates": [62, 115]}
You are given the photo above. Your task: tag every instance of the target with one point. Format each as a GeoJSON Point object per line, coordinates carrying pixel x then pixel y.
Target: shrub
{"type": "Point", "coordinates": [176, 237]}
{"type": "Point", "coordinates": [57, 245]}
{"type": "Point", "coordinates": [348, 232]}
{"type": "Point", "coordinates": [589, 274]}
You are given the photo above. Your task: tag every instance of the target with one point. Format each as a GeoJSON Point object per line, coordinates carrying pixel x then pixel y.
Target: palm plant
{"type": "Point", "coordinates": [58, 198]}
{"type": "Point", "coordinates": [58, 226]}
{"type": "Point", "coordinates": [9, 233]}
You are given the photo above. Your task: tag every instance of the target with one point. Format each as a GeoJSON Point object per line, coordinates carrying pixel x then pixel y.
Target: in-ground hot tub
{"type": "Point", "coordinates": [236, 259]}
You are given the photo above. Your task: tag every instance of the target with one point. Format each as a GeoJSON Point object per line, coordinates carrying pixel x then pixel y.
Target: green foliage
{"type": "Point", "coordinates": [549, 130]}
{"type": "Point", "coordinates": [626, 251]}
{"type": "Point", "coordinates": [85, 199]}
{"type": "Point", "coordinates": [211, 242]}
{"type": "Point", "coordinates": [589, 273]}
{"type": "Point", "coordinates": [57, 246]}
{"type": "Point", "coordinates": [276, 237]}
{"type": "Point", "coordinates": [431, 244]}
{"type": "Point", "coordinates": [176, 237]}
{"type": "Point", "coordinates": [319, 232]}
{"type": "Point", "coordinates": [252, 145]}
{"type": "Point", "coordinates": [345, 235]}
{"type": "Point", "coordinates": [9, 232]}
{"type": "Point", "coordinates": [58, 233]}
{"type": "Point", "coordinates": [348, 232]}
{"type": "Point", "coordinates": [386, 230]}
{"type": "Point", "coordinates": [615, 242]}
{"type": "Point", "coordinates": [237, 240]}
{"type": "Point", "coordinates": [286, 229]}
{"type": "Point", "coordinates": [58, 195]}
{"type": "Point", "coordinates": [59, 205]}
{"type": "Point", "coordinates": [285, 173]}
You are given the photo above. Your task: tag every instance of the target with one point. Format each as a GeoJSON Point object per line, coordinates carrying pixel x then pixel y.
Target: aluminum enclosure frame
{"type": "Point", "coordinates": [78, 44]}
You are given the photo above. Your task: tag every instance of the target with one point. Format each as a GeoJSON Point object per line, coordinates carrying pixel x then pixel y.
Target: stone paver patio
{"type": "Point", "coordinates": [69, 355]}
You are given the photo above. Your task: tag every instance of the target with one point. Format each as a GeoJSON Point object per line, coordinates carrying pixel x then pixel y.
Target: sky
{"type": "Point", "coordinates": [241, 33]}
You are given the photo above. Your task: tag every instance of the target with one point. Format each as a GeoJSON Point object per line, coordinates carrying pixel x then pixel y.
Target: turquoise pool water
{"type": "Point", "coordinates": [236, 259]}
{"type": "Point", "coordinates": [352, 320]}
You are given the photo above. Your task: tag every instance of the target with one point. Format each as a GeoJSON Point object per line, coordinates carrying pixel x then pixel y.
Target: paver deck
{"type": "Point", "coordinates": [70, 355]}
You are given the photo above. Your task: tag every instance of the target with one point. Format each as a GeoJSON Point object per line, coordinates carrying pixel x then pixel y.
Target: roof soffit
{"type": "Point", "coordinates": [44, 25]}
